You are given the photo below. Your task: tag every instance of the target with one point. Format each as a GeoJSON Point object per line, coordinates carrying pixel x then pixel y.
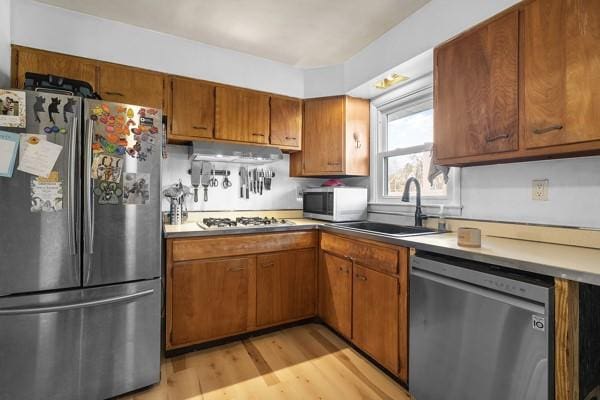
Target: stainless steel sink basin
{"type": "Point", "coordinates": [387, 229]}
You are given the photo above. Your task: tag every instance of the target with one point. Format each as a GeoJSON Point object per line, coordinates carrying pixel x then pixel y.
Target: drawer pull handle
{"type": "Point", "coordinates": [333, 163]}
{"type": "Point", "coordinates": [115, 94]}
{"type": "Point", "coordinates": [258, 134]}
{"type": "Point", "coordinates": [494, 138]}
{"type": "Point", "coordinates": [290, 138]}
{"type": "Point", "coordinates": [361, 277]}
{"type": "Point", "coordinates": [199, 127]}
{"type": "Point", "coordinates": [235, 269]}
{"type": "Point", "coordinates": [269, 265]}
{"type": "Point", "coordinates": [539, 131]}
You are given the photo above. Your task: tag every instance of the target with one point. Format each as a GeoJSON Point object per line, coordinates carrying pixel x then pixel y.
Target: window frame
{"type": "Point", "coordinates": [413, 94]}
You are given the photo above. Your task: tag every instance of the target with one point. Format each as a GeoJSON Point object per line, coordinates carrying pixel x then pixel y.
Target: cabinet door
{"type": "Point", "coordinates": [257, 117]}
{"type": "Point", "coordinates": [335, 293]}
{"type": "Point", "coordinates": [375, 315]}
{"type": "Point", "coordinates": [130, 85]}
{"type": "Point", "coordinates": [193, 108]}
{"type": "Point", "coordinates": [285, 286]}
{"type": "Point", "coordinates": [476, 91]}
{"type": "Point", "coordinates": [286, 121]}
{"type": "Point", "coordinates": [241, 115]}
{"type": "Point", "coordinates": [210, 299]}
{"type": "Point", "coordinates": [323, 146]}
{"type": "Point", "coordinates": [357, 136]}
{"type": "Point", "coordinates": [561, 72]}
{"type": "Point", "coordinates": [42, 62]}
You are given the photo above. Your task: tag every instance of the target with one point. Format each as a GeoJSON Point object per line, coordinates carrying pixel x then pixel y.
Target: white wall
{"type": "Point", "coordinates": [281, 196]}
{"type": "Point", "coordinates": [46, 27]}
{"type": "Point", "coordinates": [503, 192]}
{"type": "Point", "coordinates": [4, 43]}
{"type": "Point", "coordinates": [431, 25]}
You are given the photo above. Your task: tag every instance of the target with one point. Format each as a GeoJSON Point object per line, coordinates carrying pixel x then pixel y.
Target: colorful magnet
{"type": "Point", "coordinates": [130, 113]}
{"type": "Point", "coordinates": [142, 112]}
{"type": "Point", "coordinates": [145, 121]}
{"type": "Point", "coordinates": [152, 111]}
{"type": "Point", "coordinates": [108, 193]}
{"type": "Point", "coordinates": [121, 109]}
{"type": "Point", "coordinates": [105, 108]}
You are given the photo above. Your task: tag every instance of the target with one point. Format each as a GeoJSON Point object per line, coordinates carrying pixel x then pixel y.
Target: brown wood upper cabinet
{"type": "Point", "coordinates": [131, 85]}
{"type": "Point", "coordinates": [286, 122]}
{"type": "Point", "coordinates": [45, 62]}
{"type": "Point", "coordinates": [476, 91]}
{"type": "Point", "coordinates": [561, 72]}
{"type": "Point", "coordinates": [192, 108]}
{"type": "Point", "coordinates": [523, 85]}
{"type": "Point", "coordinates": [242, 115]}
{"type": "Point", "coordinates": [285, 286]}
{"type": "Point", "coordinates": [336, 136]}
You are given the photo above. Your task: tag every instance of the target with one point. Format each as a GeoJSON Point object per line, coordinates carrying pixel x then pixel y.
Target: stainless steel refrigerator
{"type": "Point", "coordinates": [80, 286]}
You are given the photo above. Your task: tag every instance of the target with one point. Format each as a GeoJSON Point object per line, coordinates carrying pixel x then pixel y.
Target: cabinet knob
{"type": "Point", "coordinates": [539, 131]}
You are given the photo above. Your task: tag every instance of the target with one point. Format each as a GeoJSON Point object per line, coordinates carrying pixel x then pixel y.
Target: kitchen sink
{"type": "Point", "coordinates": [387, 229]}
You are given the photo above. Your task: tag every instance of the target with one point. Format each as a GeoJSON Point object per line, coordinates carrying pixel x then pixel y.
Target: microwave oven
{"type": "Point", "coordinates": [335, 204]}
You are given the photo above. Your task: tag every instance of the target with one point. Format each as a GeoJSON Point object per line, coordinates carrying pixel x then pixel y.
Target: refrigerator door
{"type": "Point", "coordinates": [122, 218]}
{"type": "Point", "coordinates": [39, 233]}
{"type": "Point", "coordinates": [92, 343]}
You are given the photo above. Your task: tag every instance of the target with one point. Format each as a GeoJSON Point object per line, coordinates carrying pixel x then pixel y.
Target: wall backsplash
{"type": "Point", "coordinates": [503, 192]}
{"type": "Point", "coordinates": [283, 194]}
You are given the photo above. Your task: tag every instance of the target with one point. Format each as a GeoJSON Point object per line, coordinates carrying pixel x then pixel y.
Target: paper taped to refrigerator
{"type": "Point", "coordinates": [12, 108]}
{"type": "Point", "coordinates": [29, 139]}
{"type": "Point", "coordinates": [46, 193]}
{"type": "Point", "coordinates": [40, 159]}
{"type": "Point", "coordinates": [9, 143]}
{"type": "Point", "coordinates": [136, 188]}
{"type": "Point", "coordinates": [107, 168]}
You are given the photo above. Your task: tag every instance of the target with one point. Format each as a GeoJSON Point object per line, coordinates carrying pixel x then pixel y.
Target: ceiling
{"type": "Point", "coordinates": [302, 33]}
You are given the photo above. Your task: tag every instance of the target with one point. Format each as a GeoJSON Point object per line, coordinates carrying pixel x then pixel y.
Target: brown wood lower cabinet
{"type": "Point", "coordinates": [335, 293]}
{"type": "Point", "coordinates": [221, 286]}
{"type": "Point", "coordinates": [363, 294]}
{"type": "Point", "coordinates": [285, 286]}
{"type": "Point", "coordinates": [210, 298]}
{"type": "Point", "coordinates": [375, 315]}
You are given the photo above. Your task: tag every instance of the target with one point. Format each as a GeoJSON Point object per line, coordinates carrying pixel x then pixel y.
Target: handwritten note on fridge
{"type": "Point", "coordinates": [39, 159]}
{"type": "Point", "coordinates": [9, 143]}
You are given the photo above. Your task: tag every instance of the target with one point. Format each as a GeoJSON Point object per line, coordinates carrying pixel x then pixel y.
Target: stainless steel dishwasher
{"type": "Point", "coordinates": [479, 332]}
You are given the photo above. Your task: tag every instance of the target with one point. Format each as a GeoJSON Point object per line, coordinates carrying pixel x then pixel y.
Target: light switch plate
{"type": "Point", "coordinates": [539, 189]}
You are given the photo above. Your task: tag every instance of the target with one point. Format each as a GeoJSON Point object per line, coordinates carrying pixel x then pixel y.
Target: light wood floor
{"type": "Point", "coordinates": [305, 362]}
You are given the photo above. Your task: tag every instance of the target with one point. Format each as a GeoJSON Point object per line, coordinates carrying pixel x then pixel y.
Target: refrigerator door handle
{"type": "Point", "coordinates": [72, 157]}
{"type": "Point", "coordinates": [88, 196]}
{"type": "Point", "coordinates": [73, 306]}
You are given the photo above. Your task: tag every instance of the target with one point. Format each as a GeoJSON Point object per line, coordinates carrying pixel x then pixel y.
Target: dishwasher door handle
{"type": "Point", "coordinates": [515, 301]}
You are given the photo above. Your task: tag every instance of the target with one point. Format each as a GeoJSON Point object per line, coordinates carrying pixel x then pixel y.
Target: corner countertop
{"type": "Point", "coordinates": [581, 264]}
{"type": "Point", "coordinates": [574, 263]}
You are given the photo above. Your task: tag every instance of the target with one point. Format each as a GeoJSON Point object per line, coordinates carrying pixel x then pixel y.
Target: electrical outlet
{"type": "Point", "coordinates": [539, 189]}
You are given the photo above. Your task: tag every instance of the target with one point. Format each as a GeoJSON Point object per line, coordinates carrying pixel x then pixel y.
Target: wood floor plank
{"type": "Point", "coordinates": [300, 363]}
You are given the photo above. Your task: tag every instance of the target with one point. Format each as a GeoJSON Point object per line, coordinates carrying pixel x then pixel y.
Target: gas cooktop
{"type": "Point", "coordinates": [242, 222]}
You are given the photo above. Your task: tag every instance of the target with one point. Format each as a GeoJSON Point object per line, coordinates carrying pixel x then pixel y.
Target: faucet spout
{"type": "Point", "coordinates": [419, 216]}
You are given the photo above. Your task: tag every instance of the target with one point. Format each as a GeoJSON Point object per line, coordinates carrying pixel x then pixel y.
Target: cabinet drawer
{"type": "Point", "coordinates": [376, 257]}
{"type": "Point", "coordinates": [220, 246]}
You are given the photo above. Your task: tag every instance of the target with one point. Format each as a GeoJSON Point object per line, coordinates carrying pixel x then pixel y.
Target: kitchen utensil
{"type": "Point", "coordinates": [195, 179]}
{"type": "Point", "coordinates": [261, 178]}
{"type": "Point", "coordinates": [242, 181]}
{"type": "Point", "coordinates": [226, 183]}
{"type": "Point", "coordinates": [214, 182]}
{"type": "Point", "coordinates": [205, 179]}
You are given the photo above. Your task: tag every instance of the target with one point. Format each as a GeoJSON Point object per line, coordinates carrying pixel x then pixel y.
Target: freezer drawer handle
{"type": "Point", "coordinates": [85, 304]}
{"type": "Point", "coordinates": [490, 294]}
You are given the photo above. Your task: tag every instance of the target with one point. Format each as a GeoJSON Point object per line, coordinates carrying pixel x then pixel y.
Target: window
{"type": "Point", "coordinates": [404, 138]}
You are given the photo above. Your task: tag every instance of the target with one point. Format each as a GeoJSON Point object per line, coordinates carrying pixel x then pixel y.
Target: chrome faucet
{"type": "Point", "coordinates": [419, 216]}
